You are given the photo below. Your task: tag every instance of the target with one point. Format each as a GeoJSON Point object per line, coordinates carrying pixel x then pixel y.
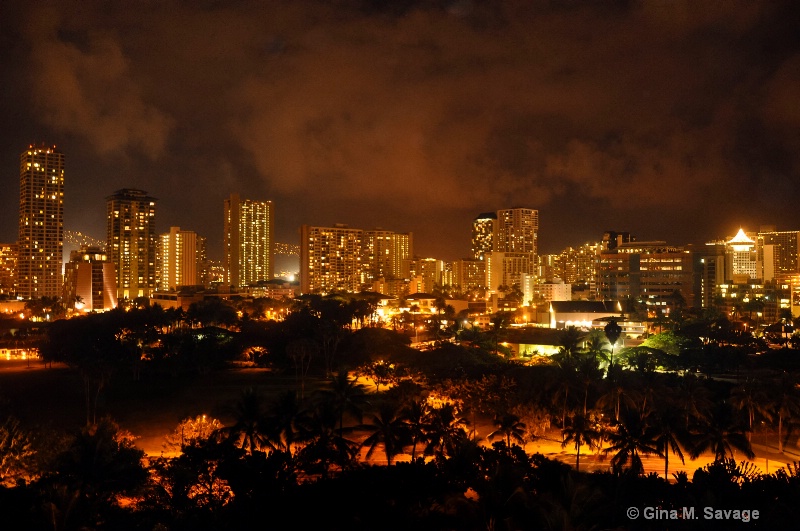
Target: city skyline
{"type": "Point", "coordinates": [673, 121]}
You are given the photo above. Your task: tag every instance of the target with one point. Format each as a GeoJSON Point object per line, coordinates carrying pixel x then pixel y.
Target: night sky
{"type": "Point", "coordinates": [673, 120]}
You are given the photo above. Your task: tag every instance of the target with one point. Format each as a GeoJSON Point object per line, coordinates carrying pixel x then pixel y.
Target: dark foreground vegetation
{"type": "Point", "coordinates": [409, 451]}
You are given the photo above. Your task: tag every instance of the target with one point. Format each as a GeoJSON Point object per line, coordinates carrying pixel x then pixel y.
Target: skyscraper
{"type": "Point", "coordinates": [131, 246]}
{"type": "Point", "coordinates": [248, 240]}
{"type": "Point", "coordinates": [41, 222]}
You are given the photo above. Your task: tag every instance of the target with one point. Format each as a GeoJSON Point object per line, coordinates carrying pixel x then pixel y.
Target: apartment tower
{"type": "Point", "coordinates": [248, 241]}
{"type": "Point", "coordinates": [41, 222]}
{"type": "Point", "coordinates": [132, 242]}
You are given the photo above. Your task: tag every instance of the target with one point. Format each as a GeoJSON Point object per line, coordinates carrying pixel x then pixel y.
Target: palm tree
{"type": "Point", "coordinates": [510, 427]}
{"type": "Point", "coordinates": [347, 397]}
{"type": "Point", "coordinates": [390, 430]}
{"type": "Point", "coordinates": [722, 434]}
{"type": "Point", "coordinates": [287, 422]}
{"type": "Point", "coordinates": [582, 430]}
{"type": "Point", "coordinates": [694, 400]}
{"type": "Point", "coordinates": [668, 429]}
{"type": "Point", "coordinates": [785, 403]}
{"type": "Point", "coordinates": [249, 429]}
{"type": "Point", "coordinates": [630, 438]}
{"type": "Point", "coordinates": [446, 431]}
{"type": "Point", "coordinates": [415, 415]}
{"type": "Point", "coordinates": [597, 346]}
{"type": "Point", "coordinates": [565, 382]}
{"type": "Point", "coordinates": [616, 396]}
{"type": "Point", "coordinates": [326, 446]}
{"type": "Point", "coordinates": [751, 397]}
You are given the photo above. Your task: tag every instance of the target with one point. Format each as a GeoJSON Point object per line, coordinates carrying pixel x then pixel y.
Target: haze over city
{"type": "Point", "coordinates": [672, 120]}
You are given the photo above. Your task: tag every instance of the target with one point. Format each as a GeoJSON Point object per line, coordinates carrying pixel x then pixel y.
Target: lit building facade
{"type": "Point", "coordinates": [648, 271]}
{"type": "Point", "coordinates": [8, 268]}
{"type": "Point", "coordinates": [778, 253]}
{"type": "Point", "coordinates": [90, 281]}
{"type": "Point", "coordinates": [469, 275]}
{"type": "Point", "coordinates": [41, 222]}
{"type": "Point", "coordinates": [743, 260]}
{"type": "Point", "coordinates": [382, 254]}
{"type": "Point", "coordinates": [132, 242]}
{"type": "Point", "coordinates": [181, 259]}
{"type": "Point", "coordinates": [506, 269]}
{"type": "Point", "coordinates": [483, 228]}
{"type": "Point", "coordinates": [517, 231]}
{"type": "Point", "coordinates": [248, 241]}
{"type": "Point", "coordinates": [330, 259]}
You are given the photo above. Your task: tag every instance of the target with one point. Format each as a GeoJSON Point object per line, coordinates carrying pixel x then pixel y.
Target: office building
{"type": "Point", "coordinates": [41, 222]}
{"type": "Point", "coordinates": [132, 243]}
{"type": "Point", "coordinates": [248, 241]}
{"type": "Point", "coordinates": [652, 272]}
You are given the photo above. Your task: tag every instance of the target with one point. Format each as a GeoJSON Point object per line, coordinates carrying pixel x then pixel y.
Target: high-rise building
{"type": "Point", "coordinates": [90, 281]}
{"type": "Point", "coordinates": [743, 262]}
{"type": "Point", "coordinates": [41, 222]}
{"type": "Point", "coordinates": [330, 259]}
{"type": "Point", "coordinates": [8, 268]}
{"type": "Point", "coordinates": [483, 228]}
{"type": "Point", "coordinates": [383, 253]}
{"type": "Point", "coordinates": [132, 242]}
{"type": "Point", "coordinates": [517, 231]}
{"type": "Point", "coordinates": [778, 252]}
{"type": "Point", "coordinates": [181, 259]}
{"type": "Point", "coordinates": [248, 241]}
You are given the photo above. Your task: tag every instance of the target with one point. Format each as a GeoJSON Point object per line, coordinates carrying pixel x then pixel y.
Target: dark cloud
{"type": "Point", "coordinates": [668, 119]}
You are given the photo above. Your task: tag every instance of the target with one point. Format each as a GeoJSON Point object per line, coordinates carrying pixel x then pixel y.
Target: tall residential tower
{"type": "Point", "coordinates": [248, 241]}
{"type": "Point", "coordinates": [41, 222]}
{"type": "Point", "coordinates": [131, 246]}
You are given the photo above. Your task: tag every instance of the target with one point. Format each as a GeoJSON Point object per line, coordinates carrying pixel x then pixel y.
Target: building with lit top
{"type": "Point", "coordinates": [41, 222]}
{"type": "Point", "coordinates": [131, 241]}
{"type": "Point", "coordinates": [248, 241]}
{"type": "Point", "coordinates": [483, 227]}
{"type": "Point", "coordinates": [90, 281]}
{"type": "Point", "coordinates": [743, 262]}
{"type": "Point", "coordinates": [181, 259]}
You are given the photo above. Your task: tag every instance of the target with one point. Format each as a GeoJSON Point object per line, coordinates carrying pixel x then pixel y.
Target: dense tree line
{"type": "Point", "coordinates": [407, 453]}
